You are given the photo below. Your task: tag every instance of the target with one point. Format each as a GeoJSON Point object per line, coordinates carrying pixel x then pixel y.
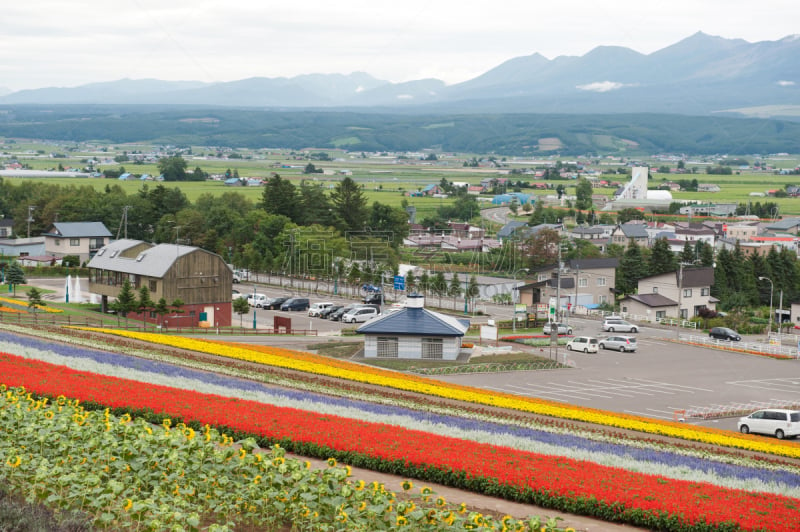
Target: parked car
{"type": "Point", "coordinates": [296, 303]}
{"type": "Point", "coordinates": [724, 333]}
{"type": "Point", "coordinates": [619, 343]}
{"type": "Point", "coordinates": [326, 313]}
{"type": "Point", "coordinates": [336, 316]}
{"type": "Point", "coordinates": [774, 421]}
{"type": "Point", "coordinates": [275, 303]}
{"type": "Point", "coordinates": [586, 344]}
{"type": "Point", "coordinates": [562, 328]}
{"type": "Point", "coordinates": [359, 315]}
{"type": "Point", "coordinates": [376, 298]}
{"type": "Point", "coordinates": [316, 309]}
{"type": "Point", "coordinates": [256, 300]}
{"type": "Point", "coordinates": [619, 325]}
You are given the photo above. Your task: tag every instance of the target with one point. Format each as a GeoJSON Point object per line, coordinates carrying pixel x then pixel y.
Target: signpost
{"type": "Point", "coordinates": [399, 282]}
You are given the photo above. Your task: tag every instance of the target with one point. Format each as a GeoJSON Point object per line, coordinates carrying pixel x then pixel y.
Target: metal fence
{"type": "Point", "coordinates": [743, 347]}
{"type": "Point", "coordinates": [670, 322]}
{"type": "Point", "coordinates": [68, 320]}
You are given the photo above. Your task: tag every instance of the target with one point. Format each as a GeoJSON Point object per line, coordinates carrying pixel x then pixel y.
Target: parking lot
{"type": "Point", "coordinates": [659, 379]}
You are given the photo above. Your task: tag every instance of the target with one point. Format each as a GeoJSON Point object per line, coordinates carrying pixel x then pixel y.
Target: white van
{"type": "Point", "coordinates": [587, 344]}
{"type": "Point", "coordinates": [360, 315]}
{"type": "Point", "coordinates": [773, 421]}
{"type": "Point", "coordinates": [315, 309]}
{"type": "Point", "coordinates": [256, 300]}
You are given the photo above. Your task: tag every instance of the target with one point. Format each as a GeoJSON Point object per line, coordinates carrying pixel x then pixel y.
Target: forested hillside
{"type": "Point", "coordinates": [507, 134]}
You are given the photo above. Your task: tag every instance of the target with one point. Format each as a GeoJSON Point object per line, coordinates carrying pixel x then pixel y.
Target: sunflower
{"type": "Point", "coordinates": [128, 505]}
{"type": "Point", "coordinates": [407, 485]}
{"type": "Point", "coordinates": [401, 521]}
{"type": "Point", "coordinates": [14, 463]}
{"type": "Point", "coordinates": [331, 462]}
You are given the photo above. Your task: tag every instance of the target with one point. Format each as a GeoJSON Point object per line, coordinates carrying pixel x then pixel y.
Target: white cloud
{"type": "Point", "coordinates": [603, 86]}
{"type": "Point", "coordinates": [784, 83]}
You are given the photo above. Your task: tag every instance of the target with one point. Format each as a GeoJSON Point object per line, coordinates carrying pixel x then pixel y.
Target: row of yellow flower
{"type": "Point", "coordinates": [24, 304]}
{"type": "Point", "coordinates": [307, 362]}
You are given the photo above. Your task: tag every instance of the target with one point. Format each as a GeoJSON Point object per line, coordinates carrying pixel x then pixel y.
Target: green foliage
{"type": "Point", "coordinates": [35, 300]}
{"type": "Point", "coordinates": [173, 168]}
{"type": "Point", "coordinates": [126, 300]}
{"type": "Point", "coordinates": [15, 275]}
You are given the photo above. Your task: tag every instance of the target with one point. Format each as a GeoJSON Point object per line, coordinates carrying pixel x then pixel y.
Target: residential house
{"type": "Point", "coordinates": [509, 230]}
{"type": "Point", "coordinates": [626, 234]}
{"type": "Point", "coordinates": [22, 247]}
{"type": "Point", "coordinates": [413, 332]}
{"type": "Point", "coordinates": [785, 225]}
{"type": "Point", "coordinates": [694, 233]}
{"type": "Point", "coordinates": [740, 231]}
{"type": "Point", "coordinates": [199, 278]}
{"type": "Point", "coordinates": [82, 239]}
{"type": "Point", "coordinates": [689, 287]}
{"type": "Point", "coordinates": [475, 190]}
{"type": "Point", "coordinates": [6, 227]}
{"type": "Point", "coordinates": [583, 282]}
{"type": "Point", "coordinates": [654, 307]}
{"type": "Point", "coordinates": [430, 190]}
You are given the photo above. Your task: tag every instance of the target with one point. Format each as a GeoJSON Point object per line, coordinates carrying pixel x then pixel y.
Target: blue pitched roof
{"type": "Point", "coordinates": [415, 322]}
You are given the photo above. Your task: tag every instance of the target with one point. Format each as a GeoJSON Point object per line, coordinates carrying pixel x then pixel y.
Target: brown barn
{"type": "Point", "coordinates": [199, 278]}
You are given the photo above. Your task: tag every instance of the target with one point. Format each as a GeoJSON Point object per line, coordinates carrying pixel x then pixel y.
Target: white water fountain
{"type": "Point", "coordinates": [78, 297]}
{"type": "Point", "coordinates": [67, 289]}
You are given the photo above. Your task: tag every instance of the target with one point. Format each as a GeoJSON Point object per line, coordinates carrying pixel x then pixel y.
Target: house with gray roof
{"type": "Point", "coordinates": [414, 332]}
{"type": "Point", "coordinates": [583, 282]}
{"type": "Point", "coordinates": [627, 234]}
{"type": "Point", "coordinates": [654, 307]}
{"type": "Point", "coordinates": [76, 238]}
{"type": "Point", "coordinates": [690, 286]}
{"type": "Point", "coordinates": [200, 279]}
{"type": "Point", "coordinates": [785, 225]}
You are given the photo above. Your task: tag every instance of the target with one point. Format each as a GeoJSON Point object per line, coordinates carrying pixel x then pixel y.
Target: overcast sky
{"type": "Point", "coordinates": [48, 43]}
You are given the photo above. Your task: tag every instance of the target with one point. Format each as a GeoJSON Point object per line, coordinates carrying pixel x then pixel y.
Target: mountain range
{"type": "Point", "coordinates": [699, 75]}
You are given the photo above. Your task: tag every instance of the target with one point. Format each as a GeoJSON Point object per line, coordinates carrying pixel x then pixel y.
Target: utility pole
{"type": "Point", "coordinates": [30, 218]}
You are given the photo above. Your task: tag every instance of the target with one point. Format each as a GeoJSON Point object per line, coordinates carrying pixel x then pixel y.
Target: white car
{"type": "Point", "coordinates": [256, 300]}
{"type": "Point", "coordinates": [360, 315]}
{"type": "Point", "coordinates": [586, 344]}
{"type": "Point", "coordinates": [619, 325]}
{"type": "Point", "coordinates": [317, 308]}
{"type": "Point", "coordinates": [562, 328]}
{"type": "Point", "coordinates": [776, 422]}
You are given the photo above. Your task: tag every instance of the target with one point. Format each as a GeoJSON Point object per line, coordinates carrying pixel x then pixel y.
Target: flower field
{"type": "Point", "coordinates": [596, 473]}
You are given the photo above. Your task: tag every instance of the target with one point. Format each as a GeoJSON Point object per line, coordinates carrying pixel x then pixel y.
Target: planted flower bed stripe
{"type": "Point", "coordinates": [672, 464]}
{"type": "Point", "coordinates": [571, 485]}
{"type": "Point", "coordinates": [307, 362]}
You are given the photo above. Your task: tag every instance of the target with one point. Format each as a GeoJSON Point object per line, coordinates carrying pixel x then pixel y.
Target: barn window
{"type": "Point", "coordinates": [387, 347]}
{"type": "Point", "coordinates": [432, 348]}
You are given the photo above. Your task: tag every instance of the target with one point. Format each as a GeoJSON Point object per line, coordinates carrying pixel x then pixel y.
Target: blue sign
{"type": "Point", "coordinates": [399, 282]}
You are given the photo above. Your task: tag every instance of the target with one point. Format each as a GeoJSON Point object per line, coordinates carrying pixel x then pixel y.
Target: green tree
{"type": "Point", "coordinates": [144, 304]}
{"type": "Point", "coordinates": [583, 194]}
{"type": "Point", "coordinates": [424, 282]}
{"type": "Point", "coordinates": [172, 168]}
{"type": "Point", "coordinates": [349, 205]}
{"type": "Point", "coordinates": [161, 309]}
{"type": "Point", "coordinates": [632, 267]}
{"type": "Point", "coordinates": [35, 300]}
{"type": "Point", "coordinates": [454, 290]}
{"type": "Point", "coordinates": [241, 308]}
{"type": "Point", "coordinates": [473, 291]}
{"type": "Point", "coordinates": [15, 275]}
{"type": "Point", "coordinates": [662, 259]}
{"type": "Point", "coordinates": [688, 252]}
{"type": "Point", "coordinates": [411, 282]}
{"type": "Point", "coordinates": [439, 286]}
{"type": "Point", "coordinates": [628, 214]}
{"type": "Point", "coordinates": [125, 302]}
{"type": "Point", "coordinates": [315, 206]}
{"type": "Point", "coordinates": [280, 197]}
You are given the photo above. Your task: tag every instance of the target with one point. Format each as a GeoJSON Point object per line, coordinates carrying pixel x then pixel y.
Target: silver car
{"type": "Point", "coordinates": [562, 328]}
{"type": "Point", "coordinates": [616, 325]}
{"type": "Point", "coordinates": [619, 343]}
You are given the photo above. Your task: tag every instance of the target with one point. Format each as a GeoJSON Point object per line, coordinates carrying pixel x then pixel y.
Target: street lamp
{"type": "Point", "coordinates": [514, 293]}
{"type": "Point", "coordinates": [254, 307]}
{"type": "Point", "coordinates": [771, 289]}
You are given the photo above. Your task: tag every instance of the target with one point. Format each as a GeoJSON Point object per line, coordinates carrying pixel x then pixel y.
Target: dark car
{"type": "Point", "coordinates": [724, 333]}
{"type": "Point", "coordinates": [374, 299]}
{"type": "Point", "coordinates": [336, 316]}
{"type": "Point", "coordinates": [326, 312]}
{"type": "Point", "coordinates": [296, 303]}
{"type": "Point", "coordinates": [275, 303]}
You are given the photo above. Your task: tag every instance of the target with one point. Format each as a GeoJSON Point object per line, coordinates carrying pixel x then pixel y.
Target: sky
{"type": "Point", "coordinates": [54, 43]}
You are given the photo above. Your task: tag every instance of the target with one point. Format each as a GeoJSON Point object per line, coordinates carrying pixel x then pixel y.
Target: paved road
{"type": "Point", "coordinates": [661, 377]}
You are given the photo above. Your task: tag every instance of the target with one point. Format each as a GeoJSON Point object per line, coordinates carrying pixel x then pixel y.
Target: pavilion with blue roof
{"type": "Point", "coordinates": [414, 332]}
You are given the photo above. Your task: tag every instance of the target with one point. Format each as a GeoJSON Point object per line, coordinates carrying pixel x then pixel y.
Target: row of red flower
{"type": "Point", "coordinates": [560, 482]}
